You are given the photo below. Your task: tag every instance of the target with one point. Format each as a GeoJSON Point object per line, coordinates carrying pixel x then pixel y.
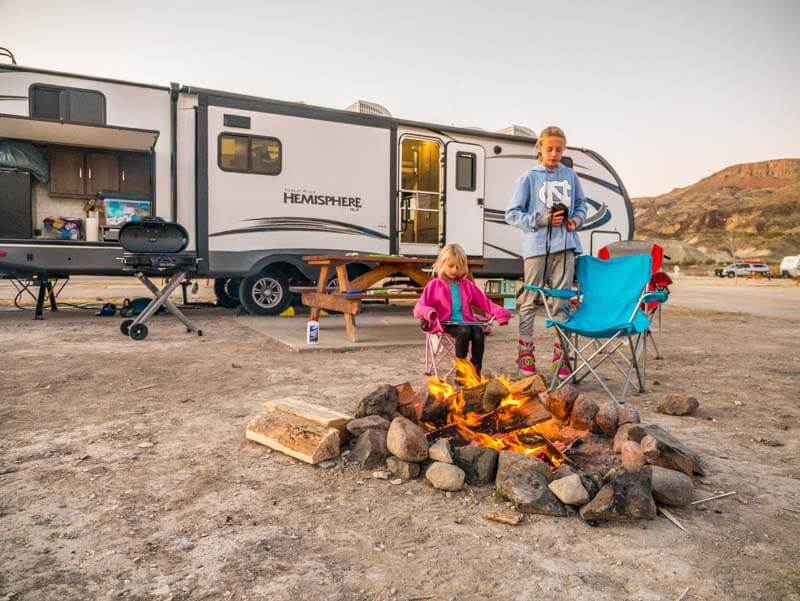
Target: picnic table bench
{"type": "Point", "coordinates": [348, 297]}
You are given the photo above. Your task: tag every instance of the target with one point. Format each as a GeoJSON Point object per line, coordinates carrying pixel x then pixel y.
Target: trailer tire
{"type": "Point", "coordinates": [227, 292]}
{"type": "Point", "coordinates": [731, 274]}
{"type": "Point", "coordinates": [266, 293]}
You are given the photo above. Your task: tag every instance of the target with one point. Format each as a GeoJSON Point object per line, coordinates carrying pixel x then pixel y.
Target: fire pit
{"type": "Point", "coordinates": [553, 453]}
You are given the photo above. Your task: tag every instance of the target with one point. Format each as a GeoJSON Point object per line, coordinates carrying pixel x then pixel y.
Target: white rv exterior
{"type": "Point", "coordinates": [259, 183]}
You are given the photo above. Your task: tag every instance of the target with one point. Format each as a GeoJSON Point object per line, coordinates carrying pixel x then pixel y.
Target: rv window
{"type": "Point", "coordinates": [67, 104]}
{"type": "Point", "coordinates": [265, 156]}
{"type": "Point", "coordinates": [86, 107]}
{"type": "Point", "coordinates": [233, 153]}
{"type": "Point", "coordinates": [465, 171]}
{"type": "Point", "coordinates": [46, 103]}
{"type": "Point", "coordinates": [250, 154]}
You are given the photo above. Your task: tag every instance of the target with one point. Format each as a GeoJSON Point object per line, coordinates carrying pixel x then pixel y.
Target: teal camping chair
{"type": "Point", "coordinates": [611, 315]}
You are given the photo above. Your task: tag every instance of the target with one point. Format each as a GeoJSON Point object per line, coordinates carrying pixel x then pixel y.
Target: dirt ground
{"type": "Point", "coordinates": [89, 512]}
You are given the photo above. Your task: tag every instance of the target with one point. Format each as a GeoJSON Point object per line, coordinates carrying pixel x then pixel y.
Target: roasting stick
{"type": "Point", "coordinates": [714, 497]}
{"type": "Point", "coordinates": [671, 518]}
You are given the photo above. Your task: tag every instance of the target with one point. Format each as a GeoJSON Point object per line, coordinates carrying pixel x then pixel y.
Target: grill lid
{"type": "Point", "coordinates": [153, 236]}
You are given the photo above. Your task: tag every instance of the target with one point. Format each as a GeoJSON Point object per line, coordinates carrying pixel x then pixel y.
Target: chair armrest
{"type": "Point", "coordinates": [657, 296]}
{"type": "Point", "coordinates": [557, 292]}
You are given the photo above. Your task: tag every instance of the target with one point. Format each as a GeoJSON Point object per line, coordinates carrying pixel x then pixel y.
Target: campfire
{"type": "Point", "coordinates": [548, 452]}
{"type": "Point", "coordinates": [495, 413]}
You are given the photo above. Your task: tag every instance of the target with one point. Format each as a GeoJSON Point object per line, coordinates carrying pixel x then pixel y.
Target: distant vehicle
{"type": "Point", "coordinates": [790, 267]}
{"type": "Point", "coordinates": [742, 269]}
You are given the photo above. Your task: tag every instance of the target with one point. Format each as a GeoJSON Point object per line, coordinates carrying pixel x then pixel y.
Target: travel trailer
{"type": "Point", "coordinates": [258, 183]}
{"type": "Point", "coordinates": [790, 267]}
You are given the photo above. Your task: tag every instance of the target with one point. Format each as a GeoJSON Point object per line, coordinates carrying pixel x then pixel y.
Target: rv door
{"type": "Point", "coordinates": [464, 196]}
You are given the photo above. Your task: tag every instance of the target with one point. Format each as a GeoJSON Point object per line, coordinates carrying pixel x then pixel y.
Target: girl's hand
{"type": "Point", "coordinates": [555, 218]}
{"type": "Point", "coordinates": [570, 225]}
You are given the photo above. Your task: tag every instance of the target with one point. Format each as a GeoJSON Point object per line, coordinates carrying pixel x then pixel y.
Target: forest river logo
{"type": "Point", "coordinates": [311, 197]}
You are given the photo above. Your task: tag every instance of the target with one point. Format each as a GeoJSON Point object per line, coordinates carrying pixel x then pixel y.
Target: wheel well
{"type": "Point", "coordinates": [292, 272]}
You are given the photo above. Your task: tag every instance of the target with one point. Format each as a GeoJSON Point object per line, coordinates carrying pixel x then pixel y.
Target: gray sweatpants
{"type": "Point", "coordinates": [560, 272]}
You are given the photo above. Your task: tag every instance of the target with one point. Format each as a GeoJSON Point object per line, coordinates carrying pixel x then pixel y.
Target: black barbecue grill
{"type": "Point", "coordinates": [156, 248]}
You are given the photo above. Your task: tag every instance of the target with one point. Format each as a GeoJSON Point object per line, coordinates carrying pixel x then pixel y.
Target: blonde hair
{"type": "Point", "coordinates": [452, 251]}
{"type": "Point", "coordinates": [551, 131]}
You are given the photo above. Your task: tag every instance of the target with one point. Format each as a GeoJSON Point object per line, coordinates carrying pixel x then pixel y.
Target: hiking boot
{"type": "Point", "coordinates": [557, 365]}
{"type": "Point", "coordinates": [526, 361]}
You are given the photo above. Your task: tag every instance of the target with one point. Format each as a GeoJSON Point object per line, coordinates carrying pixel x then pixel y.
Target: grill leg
{"type": "Point", "coordinates": [162, 298]}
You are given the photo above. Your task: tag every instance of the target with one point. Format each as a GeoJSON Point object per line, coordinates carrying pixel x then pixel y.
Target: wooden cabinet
{"type": "Point", "coordinates": [66, 172]}
{"type": "Point", "coordinates": [102, 172]}
{"type": "Point", "coordinates": [134, 176]}
{"type": "Point", "coordinates": [84, 173]}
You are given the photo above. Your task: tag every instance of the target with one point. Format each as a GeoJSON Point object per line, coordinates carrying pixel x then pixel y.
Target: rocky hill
{"type": "Point", "coordinates": [754, 206]}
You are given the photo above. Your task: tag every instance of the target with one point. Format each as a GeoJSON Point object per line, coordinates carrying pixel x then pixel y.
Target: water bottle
{"type": "Point", "coordinates": [312, 332]}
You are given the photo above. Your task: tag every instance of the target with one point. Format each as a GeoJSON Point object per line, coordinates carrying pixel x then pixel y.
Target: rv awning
{"type": "Point", "coordinates": [76, 134]}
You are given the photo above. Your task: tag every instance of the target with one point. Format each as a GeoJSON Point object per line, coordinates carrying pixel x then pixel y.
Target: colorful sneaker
{"type": "Point", "coordinates": [563, 371]}
{"type": "Point", "coordinates": [526, 361]}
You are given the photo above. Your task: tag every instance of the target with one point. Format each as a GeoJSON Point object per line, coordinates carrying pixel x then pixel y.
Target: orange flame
{"type": "Point", "coordinates": [500, 419]}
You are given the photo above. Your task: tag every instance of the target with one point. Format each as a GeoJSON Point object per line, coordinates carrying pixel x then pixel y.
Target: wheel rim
{"type": "Point", "coordinates": [267, 292]}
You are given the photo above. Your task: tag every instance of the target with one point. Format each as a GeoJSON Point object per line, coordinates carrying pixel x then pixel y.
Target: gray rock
{"type": "Point", "coordinates": [445, 476]}
{"type": "Point", "coordinates": [657, 453]}
{"type": "Point", "coordinates": [564, 470]}
{"type": "Point", "coordinates": [671, 487]}
{"type": "Point", "coordinates": [670, 452]}
{"type": "Point", "coordinates": [560, 402]}
{"type": "Point", "coordinates": [632, 457]}
{"type": "Point", "coordinates": [570, 490]}
{"type": "Point", "coordinates": [678, 404]}
{"type": "Point", "coordinates": [520, 479]}
{"type": "Point", "coordinates": [406, 440]}
{"type": "Point", "coordinates": [370, 449]}
{"type": "Point", "coordinates": [583, 414]}
{"type": "Point", "coordinates": [626, 497]}
{"type": "Point", "coordinates": [402, 469]}
{"type": "Point", "coordinates": [607, 418]}
{"type": "Point", "coordinates": [478, 463]}
{"type": "Point", "coordinates": [441, 451]}
{"type": "Point", "coordinates": [622, 436]}
{"type": "Point", "coordinates": [359, 425]}
{"type": "Point", "coordinates": [627, 414]}
{"type": "Point", "coordinates": [381, 401]}
{"type": "Point", "coordinates": [591, 484]}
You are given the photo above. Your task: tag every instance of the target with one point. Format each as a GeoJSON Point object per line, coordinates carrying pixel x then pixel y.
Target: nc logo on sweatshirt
{"type": "Point", "coordinates": [552, 192]}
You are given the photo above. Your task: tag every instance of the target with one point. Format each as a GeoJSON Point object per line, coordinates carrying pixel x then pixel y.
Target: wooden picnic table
{"type": "Point", "coordinates": [347, 299]}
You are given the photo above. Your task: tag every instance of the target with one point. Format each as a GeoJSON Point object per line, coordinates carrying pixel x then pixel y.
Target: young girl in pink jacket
{"type": "Point", "coordinates": [447, 301]}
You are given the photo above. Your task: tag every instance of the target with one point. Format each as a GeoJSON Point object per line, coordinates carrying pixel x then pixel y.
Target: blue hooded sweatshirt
{"type": "Point", "coordinates": [537, 190]}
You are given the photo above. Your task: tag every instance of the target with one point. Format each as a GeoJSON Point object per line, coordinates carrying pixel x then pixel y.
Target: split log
{"type": "Point", "coordinates": [323, 416]}
{"type": "Point", "coordinates": [434, 410]}
{"type": "Point", "coordinates": [495, 392]}
{"type": "Point", "coordinates": [473, 398]}
{"type": "Point", "coordinates": [503, 518]}
{"type": "Point", "coordinates": [295, 436]}
{"type": "Point", "coordinates": [531, 385]}
{"type": "Point", "coordinates": [528, 414]}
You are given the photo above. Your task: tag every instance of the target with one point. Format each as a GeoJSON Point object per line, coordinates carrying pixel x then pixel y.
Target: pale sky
{"type": "Point", "coordinates": [668, 92]}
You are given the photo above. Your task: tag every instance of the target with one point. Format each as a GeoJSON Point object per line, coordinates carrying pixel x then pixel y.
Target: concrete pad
{"type": "Point", "coordinates": [376, 327]}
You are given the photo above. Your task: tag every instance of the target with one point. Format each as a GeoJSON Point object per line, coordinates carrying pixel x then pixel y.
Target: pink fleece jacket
{"type": "Point", "coordinates": [436, 306]}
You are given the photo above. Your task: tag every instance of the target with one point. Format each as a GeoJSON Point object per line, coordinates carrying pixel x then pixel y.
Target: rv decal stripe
{"type": "Point", "coordinates": [278, 224]}
{"type": "Point", "coordinates": [601, 217]}
{"type": "Point", "coordinates": [601, 182]}
{"type": "Point", "coordinates": [508, 252]}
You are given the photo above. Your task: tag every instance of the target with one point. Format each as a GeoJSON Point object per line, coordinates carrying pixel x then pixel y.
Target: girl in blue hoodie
{"type": "Point", "coordinates": [549, 238]}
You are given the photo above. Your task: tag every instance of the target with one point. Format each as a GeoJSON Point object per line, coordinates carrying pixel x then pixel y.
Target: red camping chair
{"type": "Point", "coordinates": [659, 282]}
